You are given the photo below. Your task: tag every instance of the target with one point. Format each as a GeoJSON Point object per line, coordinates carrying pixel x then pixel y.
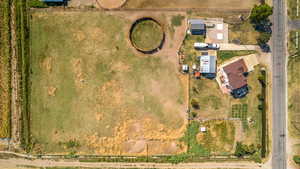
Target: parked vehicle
{"type": "Point", "coordinates": [210, 25]}
{"type": "Point", "coordinates": [213, 46]}
{"type": "Point", "coordinates": [200, 45]}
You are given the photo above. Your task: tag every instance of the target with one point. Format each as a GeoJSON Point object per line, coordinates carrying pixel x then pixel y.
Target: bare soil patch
{"type": "Point", "coordinates": [228, 4]}
{"type": "Point", "coordinates": [111, 4]}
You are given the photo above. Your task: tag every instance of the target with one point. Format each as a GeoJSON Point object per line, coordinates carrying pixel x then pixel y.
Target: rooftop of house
{"type": "Point", "coordinates": [208, 64]}
{"type": "Point", "coordinates": [235, 72]}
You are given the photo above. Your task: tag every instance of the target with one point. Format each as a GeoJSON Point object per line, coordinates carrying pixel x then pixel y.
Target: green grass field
{"type": "Point", "coordinates": [89, 86]}
{"type": "Point", "coordinates": [226, 55]}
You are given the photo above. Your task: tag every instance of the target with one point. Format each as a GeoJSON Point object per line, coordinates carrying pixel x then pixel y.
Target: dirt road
{"type": "Point", "coordinates": [15, 82]}
{"type": "Point", "coordinates": [13, 163]}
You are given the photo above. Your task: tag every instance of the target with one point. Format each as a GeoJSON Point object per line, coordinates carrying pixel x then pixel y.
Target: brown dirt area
{"type": "Point", "coordinates": [228, 4]}
{"type": "Point", "coordinates": [110, 4]}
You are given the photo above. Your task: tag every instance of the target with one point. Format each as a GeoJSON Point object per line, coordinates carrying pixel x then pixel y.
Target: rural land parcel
{"type": "Point", "coordinates": [93, 93]}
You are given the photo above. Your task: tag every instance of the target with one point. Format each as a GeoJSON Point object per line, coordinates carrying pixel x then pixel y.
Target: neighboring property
{"type": "Point", "coordinates": [233, 78]}
{"type": "Point", "coordinates": [197, 27]}
{"type": "Point", "coordinates": [208, 66]}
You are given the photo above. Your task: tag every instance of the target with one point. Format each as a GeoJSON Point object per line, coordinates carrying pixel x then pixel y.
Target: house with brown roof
{"type": "Point", "coordinates": [233, 78]}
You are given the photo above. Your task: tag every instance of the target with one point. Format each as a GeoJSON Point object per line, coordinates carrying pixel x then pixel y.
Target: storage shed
{"type": "Point", "coordinates": [197, 27]}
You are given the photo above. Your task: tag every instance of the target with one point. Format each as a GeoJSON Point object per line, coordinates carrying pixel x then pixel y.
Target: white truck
{"type": "Point", "coordinates": [200, 45]}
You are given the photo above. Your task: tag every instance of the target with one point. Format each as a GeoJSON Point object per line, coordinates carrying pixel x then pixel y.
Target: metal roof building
{"type": "Point", "coordinates": [197, 26]}
{"type": "Point", "coordinates": [208, 64]}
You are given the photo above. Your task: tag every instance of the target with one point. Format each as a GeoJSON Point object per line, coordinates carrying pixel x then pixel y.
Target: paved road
{"type": "Point", "coordinates": [279, 86]}
{"type": "Point", "coordinates": [294, 24]}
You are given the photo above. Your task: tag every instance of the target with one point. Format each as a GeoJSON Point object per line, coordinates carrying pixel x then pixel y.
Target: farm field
{"type": "Point", "coordinates": [293, 94]}
{"type": "Point", "coordinates": [92, 93]}
{"type": "Point", "coordinates": [4, 70]}
{"type": "Point", "coordinates": [228, 4]}
{"type": "Point", "coordinates": [292, 9]}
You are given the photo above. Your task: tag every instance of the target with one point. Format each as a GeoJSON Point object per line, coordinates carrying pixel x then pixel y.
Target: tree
{"type": "Point", "coordinates": [260, 19]}
{"type": "Point", "coordinates": [260, 13]}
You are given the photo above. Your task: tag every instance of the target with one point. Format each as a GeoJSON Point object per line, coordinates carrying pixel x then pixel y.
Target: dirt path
{"type": "Point", "coordinates": [15, 77]}
{"type": "Point", "coordinates": [231, 46]}
{"type": "Point", "coordinates": [12, 163]}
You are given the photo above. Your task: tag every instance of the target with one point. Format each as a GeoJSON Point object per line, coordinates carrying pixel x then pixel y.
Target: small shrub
{"type": "Point", "coordinates": [37, 4]}
{"type": "Point", "coordinates": [256, 157]}
{"type": "Point", "coordinates": [194, 114]}
{"type": "Point", "coordinates": [177, 20]}
{"type": "Point", "coordinates": [242, 150]}
{"type": "Point", "coordinates": [195, 104]}
{"type": "Point", "coordinates": [178, 158]}
{"type": "Point", "coordinates": [296, 159]}
{"type": "Point", "coordinates": [72, 144]}
{"type": "Point", "coordinates": [261, 97]}
{"type": "Point", "coordinates": [260, 107]}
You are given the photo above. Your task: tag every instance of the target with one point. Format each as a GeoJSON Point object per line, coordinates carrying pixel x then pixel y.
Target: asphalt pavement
{"type": "Point", "coordinates": [294, 24]}
{"type": "Point", "coordinates": [279, 100]}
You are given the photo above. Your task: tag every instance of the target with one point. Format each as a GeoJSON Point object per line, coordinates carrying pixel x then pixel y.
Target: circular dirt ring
{"type": "Point", "coordinates": [147, 35]}
{"type": "Point", "coordinates": [111, 4]}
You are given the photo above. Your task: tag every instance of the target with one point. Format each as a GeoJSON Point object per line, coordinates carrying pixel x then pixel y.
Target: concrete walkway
{"type": "Point", "coordinates": [231, 46]}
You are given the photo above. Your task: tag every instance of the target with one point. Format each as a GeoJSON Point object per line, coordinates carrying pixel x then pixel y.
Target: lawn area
{"type": "Point", "coordinates": [228, 4]}
{"type": "Point", "coordinates": [226, 54]}
{"type": "Point", "coordinates": [243, 33]}
{"type": "Point", "coordinates": [4, 69]}
{"type": "Point", "coordinates": [213, 104]}
{"type": "Point", "coordinates": [92, 93]}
